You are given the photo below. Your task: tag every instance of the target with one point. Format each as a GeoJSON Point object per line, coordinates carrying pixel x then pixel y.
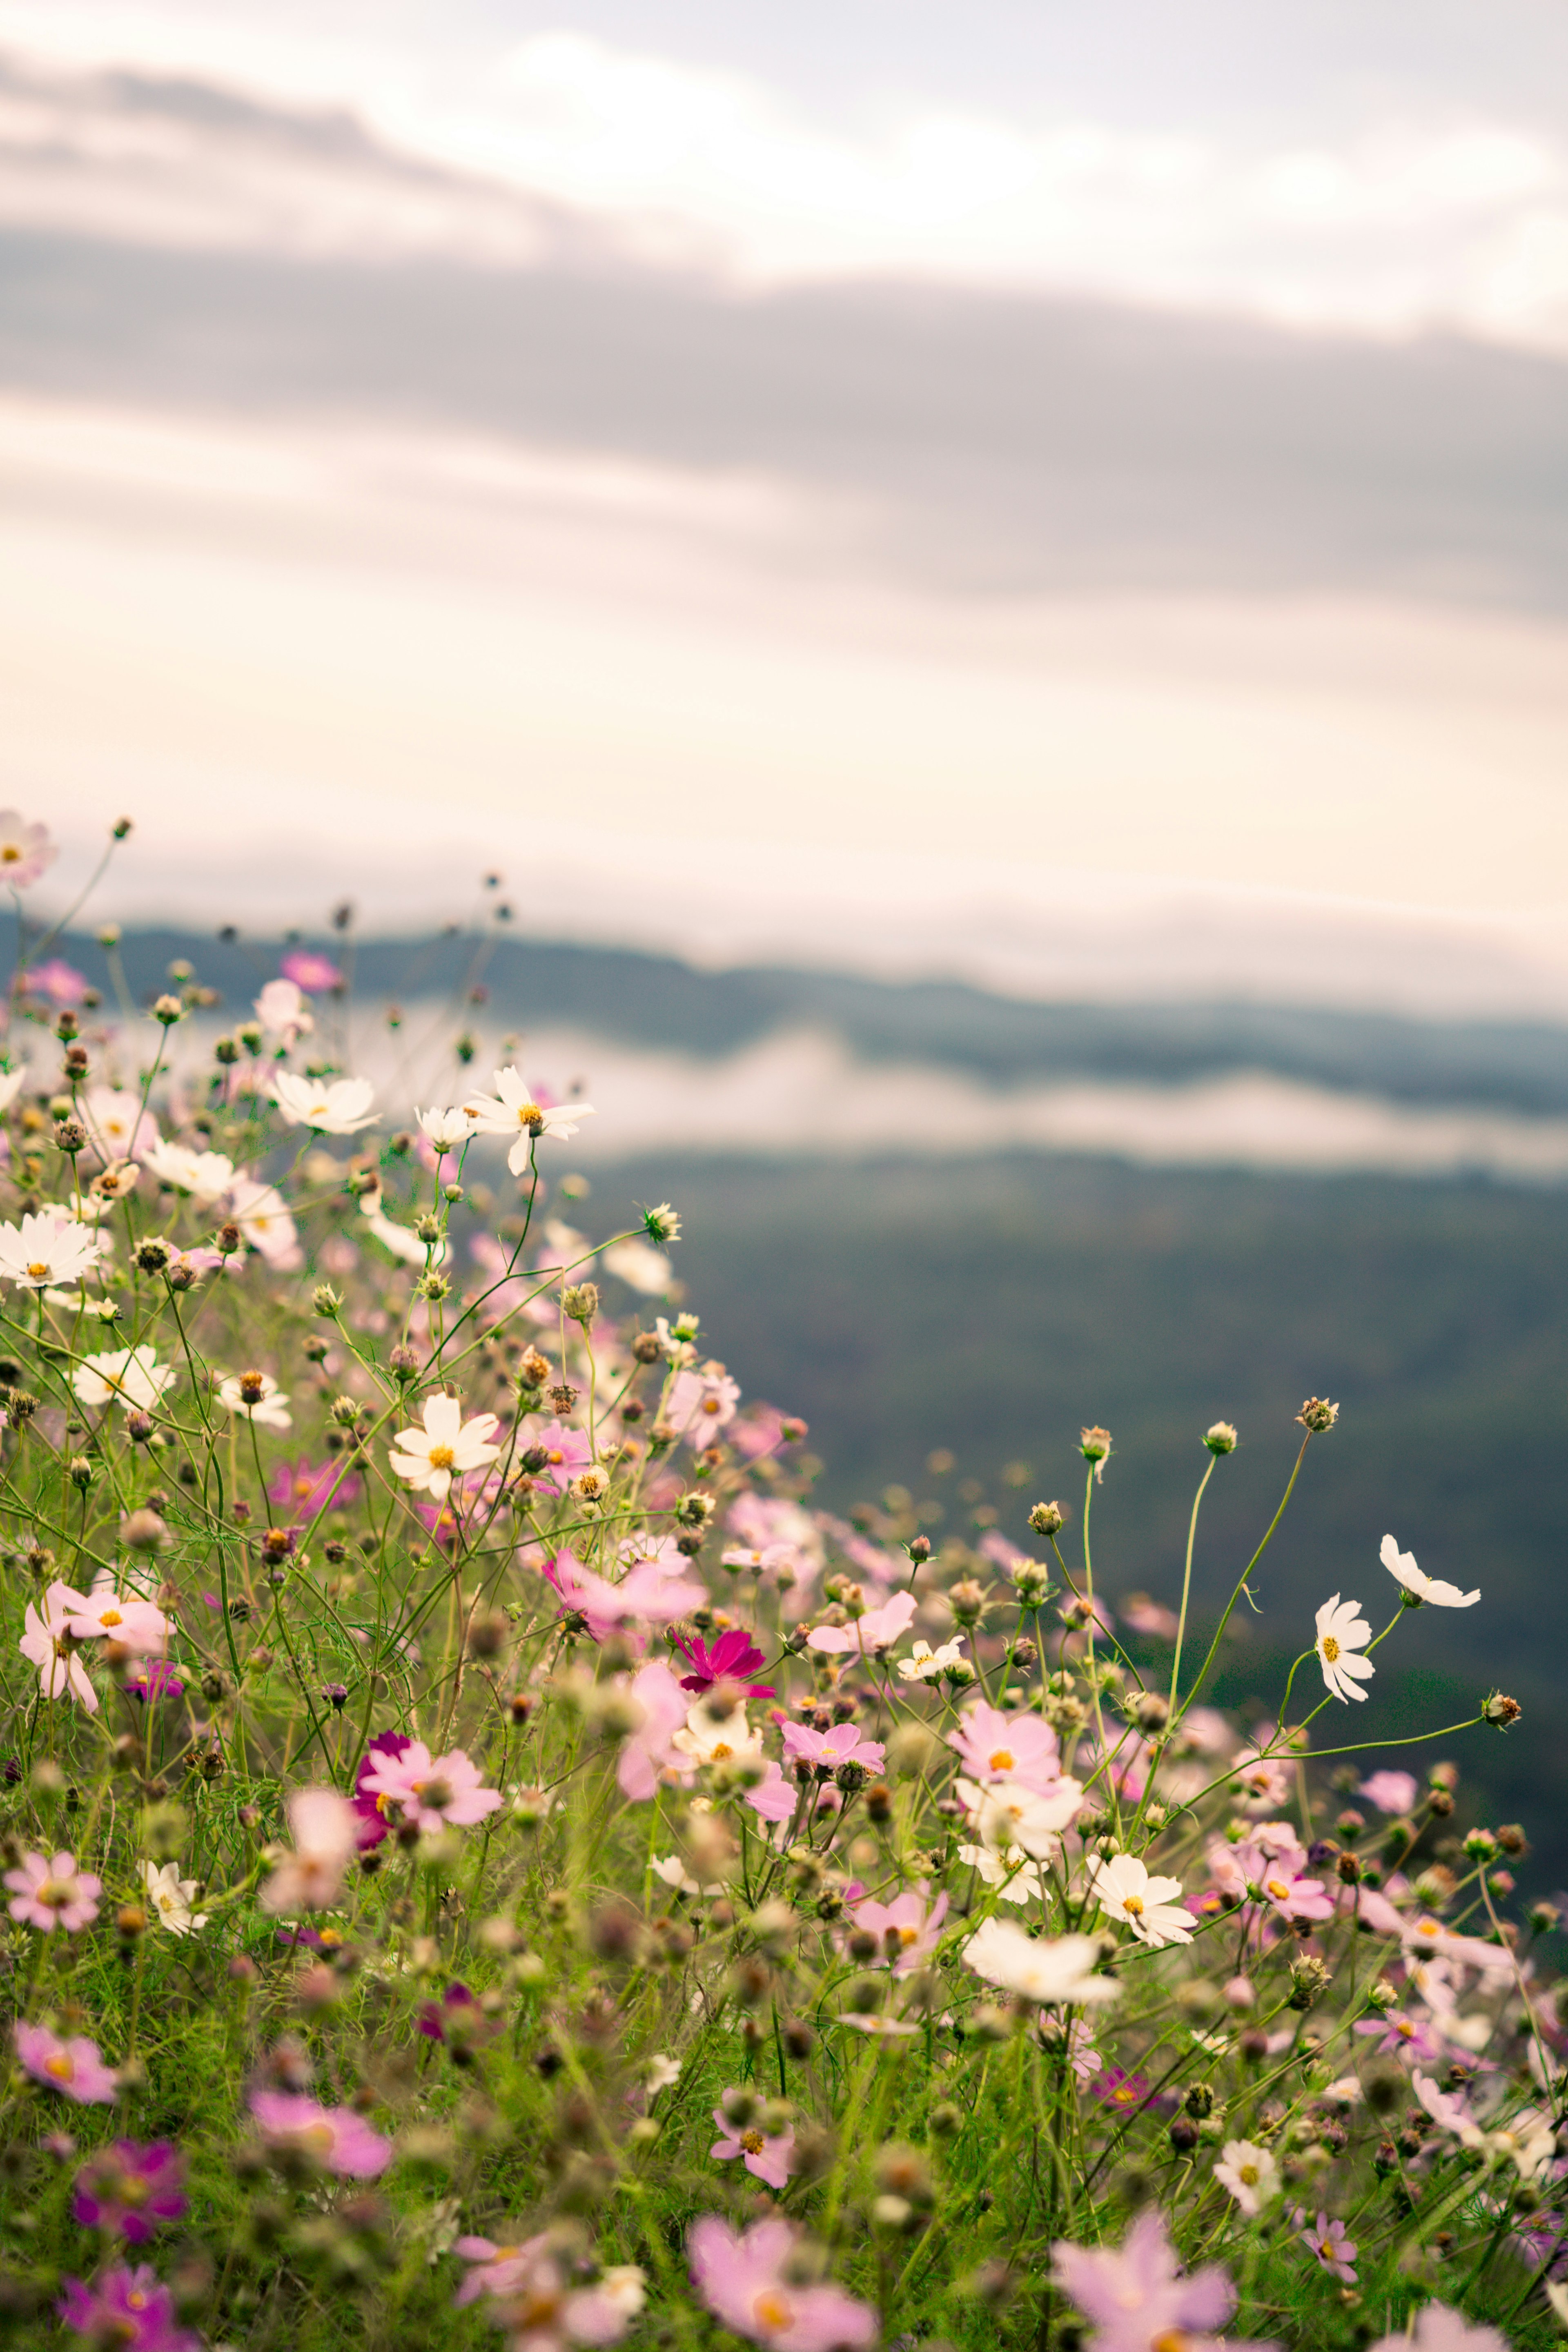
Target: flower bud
{"type": "Point", "coordinates": [326, 1301]}
{"type": "Point", "coordinates": [168, 1010]}
{"type": "Point", "coordinates": [1318, 1414]}
{"type": "Point", "coordinates": [1501, 1710]}
{"type": "Point", "coordinates": [1221, 1438]}
{"type": "Point", "coordinates": [1046, 1519]}
{"type": "Point", "coordinates": [580, 1301]}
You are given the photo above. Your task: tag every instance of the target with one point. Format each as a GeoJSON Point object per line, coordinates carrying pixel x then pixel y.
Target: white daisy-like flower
{"type": "Point", "coordinates": [513, 1110]}
{"type": "Point", "coordinates": [46, 1250]}
{"type": "Point", "coordinates": [923, 1663]}
{"type": "Point", "coordinates": [449, 1130]}
{"type": "Point", "coordinates": [640, 1267]}
{"type": "Point", "coordinates": [400, 1240]}
{"type": "Point", "coordinates": [282, 1010]}
{"type": "Point", "coordinates": [1006, 1814]}
{"type": "Point", "coordinates": [131, 1377]}
{"type": "Point", "coordinates": [170, 1897]}
{"type": "Point", "coordinates": [26, 849]}
{"type": "Point", "coordinates": [115, 1120]}
{"type": "Point", "coordinates": [721, 1742]}
{"type": "Point", "coordinates": [338, 1106]}
{"type": "Point", "coordinates": [431, 1457]}
{"type": "Point", "coordinates": [1125, 1890]}
{"type": "Point", "coordinates": [1008, 1869]}
{"type": "Point", "coordinates": [1251, 2174]}
{"type": "Point", "coordinates": [204, 1175]}
{"type": "Point", "coordinates": [1055, 1969]}
{"type": "Point", "coordinates": [1401, 1566]}
{"type": "Point", "coordinates": [262, 1215]}
{"type": "Point", "coordinates": [1341, 1631]}
{"type": "Point", "coordinates": [661, 2072]}
{"type": "Point", "coordinates": [257, 1396]}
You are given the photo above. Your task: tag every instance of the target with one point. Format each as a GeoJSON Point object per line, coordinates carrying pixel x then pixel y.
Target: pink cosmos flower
{"type": "Point", "coordinates": [325, 1830]}
{"type": "Point", "coordinates": [1007, 1747]}
{"type": "Point", "coordinates": [1298, 1899]}
{"type": "Point", "coordinates": [534, 2299]}
{"type": "Point", "coordinates": [53, 1893]}
{"type": "Point", "coordinates": [646, 1753]}
{"type": "Point", "coordinates": [457, 2020]}
{"type": "Point", "coordinates": [116, 1124]}
{"type": "Point", "coordinates": [46, 1641]}
{"type": "Point", "coordinates": [1391, 1792]}
{"type": "Point", "coordinates": [566, 1451]}
{"type": "Point", "coordinates": [1264, 1785]}
{"type": "Point", "coordinates": [743, 2279]}
{"type": "Point", "coordinates": [878, 1629]}
{"type": "Point", "coordinates": [496, 2270]}
{"type": "Point", "coordinates": [126, 2307]}
{"type": "Point", "coordinates": [731, 1658]}
{"type": "Point", "coordinates": [369, 1808]}
{"type": "Point", "coordinates": [700, 1404]}
{"type": "Point", "coordinates": [110, 1615]}
{"type": "Point", "coordinates": [845, 1743]}
{"type": "Point", "coordinates": [25, 850]}
{"type": "Point", "coordinates": [1134, 2295]}
{"type": "Point", "coordinates": [772, 1796]}
{"type": "Point", "coordinates": [1410, 2038]}
{"type": "Point", "coordinates": [74, 2068]}
{"type": "Point", "coordinates": [645, 1593]}
{"type": "Point", "coordinates": [311, 970]}
{"type": "Point", "coordinates": [439, 1792]}
{"type": "Point", "coordinates": [1439, 2329]}
{"type": "Point", "coordinates": [769, 2159]}
{"type": "Point", "coordinates": [298, 1491]}
{"type": "Point", "coordinates": [906, 1931]}
{"type": "Point", "coordinates": [1333, 2248]}
{"type": "Point", "coordinates": [338, 2139]}
{"type": "Point", "coordinates": [126, 2189]}
{"type": "Point", "coordinates": [59, 982]}
{"type": "Point", "coordinates": [152, 1682]}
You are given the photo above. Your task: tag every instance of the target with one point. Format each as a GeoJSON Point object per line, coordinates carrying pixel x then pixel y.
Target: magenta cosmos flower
{"type": "Point", "coordinates": [128, 2308]}
{"type": "Point", "coordinates": [436, 1791]}
{"type": "Point", "coordinates": [1135, 2296]}
{"type": "Point", "coordinates": [769, 2159]}
{"type": "Point", "coordinates": [906, 1931]}
{"type": "Point", "coordinates": [128, 2190]}
{"type": "Point", "coordinates": [54, 1894]}
{"type": "Point", "coordinates": [844, 1744]}
{"type": "Point", "coordinates": [1334, 2249]}
{"type": "Point", "coordinates": [311, 970]}
{"type": "Point", "coordinates": [732, 1658]}
{"type": "Point", "coordinates": [74, 2068]}
{"type": "Point", "coordinates": [370, 1809]}
{"type": "Point", "coordinates": [338, 2139]}
{"type": "Point", "coordinates": [741, 2278]}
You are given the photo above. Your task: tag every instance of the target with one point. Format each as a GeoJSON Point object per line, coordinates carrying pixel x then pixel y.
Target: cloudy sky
{"type": "Point", "coordinates": [1075, 496]}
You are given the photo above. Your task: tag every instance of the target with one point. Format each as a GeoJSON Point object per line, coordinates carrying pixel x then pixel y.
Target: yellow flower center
{"type": "Point", "coordinates": [37, 1269]}
{"type": "Point", "coordinates": [1133, 1906]}
{"type": "Point", "coordinates": [1248, 2175]}
{"type": "Point", "coordinates": [751, 2141]}
{"type": "Point", "coordinates": [772, 2310]}
{"type": "Point", "coordinates": [110, 1617]}
{"type": "Point", "coordinates": [10, 855]}
{"type": "Point", "coordinates": [721, 1749]}
{"type": "Point", "coordinates": [442, 1457]}
{"type": "Point", "coordinates": [1330, 1648]}
{"type": "Point", "coordinates": [530, 1114]}
{"type": "Point", "coordinates": [908, 1935]}
{"type": "Point", "coordinates": [1001, 1759]}
{"type": "Point", "coordinates": [1279, 1888]}
{"type": "Point", "coordinates": [60, 2067]}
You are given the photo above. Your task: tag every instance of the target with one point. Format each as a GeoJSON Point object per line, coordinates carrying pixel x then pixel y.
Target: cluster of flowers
{"type": "Point", "coordinates": [454, 1766]}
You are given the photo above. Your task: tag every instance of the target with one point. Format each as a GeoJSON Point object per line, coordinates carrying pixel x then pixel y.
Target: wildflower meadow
{"type": "Point", "coordinates": [488, 1858]}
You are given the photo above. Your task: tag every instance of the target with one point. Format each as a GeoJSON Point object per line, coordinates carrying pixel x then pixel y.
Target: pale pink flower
{"type": "Point", "coordinates": [1298, 1899]}
{"type": "Point", "coordinates": [1439, 2329]}
{"type": "Point", "coordinates": [308, 968]}
{"type": "Point", "coordinates": [1135, 2296]}
{"type": "Point", "coordinates": [566, 1451]}
{"type": "Point", "coordinates": [325, 1830]}
{"type": "Point", "coordinates": [54, 1894]}
{"type": "Point", "coordinates": [117, 1125]}
{"type": "Point", "coordinates": [1391, 1792]}
{"type": "Point", "coordinates": [338, 2139]}
{"type": "Point", "coordinates": [282, 1011]}
{"type": "Point", "coordinates": [906, 1931]}
{"type": "Point", "coordinates": [878, 1629]}
{"type": "Point", "coordinates": [767, 2157]}
{"type": "Point", "coordinates": [47, 1643]}
{"type": "Point", "coordinates": [25, 850]}
{"type": "Point", "coordinates": [439, 1792]}
{"type": "Point", "coordinates": [495, 2269]}
{"type": "Point", "coordinates": [1016, 1747]}
{"type": "Point", "coordinates": [1334, 2249]}
{"type": "Point", "coordinates": [1262, 1782]}
{"type": "Point", "coordinates": [646, 1595]}
{"type": "Point", "coordinates": [843, 1743]}
{"type": "Point", "coordinates": [262, 1215]}
{"type": "Point", "coordinates": [746, 2281]}
{"type": "Point", "coordinates": [646, 1752]}
{"type": "Point", "coordinates": [74, 2068]}
{"type": "Point", "coordinates": [534, 2299]}
{"type": "Point", "coordinates": [700, 1404]}
{"type": "Point", "coordinates": [123, 1617]}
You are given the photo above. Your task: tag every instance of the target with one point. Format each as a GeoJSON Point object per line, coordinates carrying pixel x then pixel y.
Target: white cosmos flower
{"type": "Point", "coordinates": [48, 1249]}
{"type": "Point", "coordinates": [1401, 1566]}
{"type": "Point", "coordinates": [449, 1130]}
{"type": "Point", "coordinates": [1341, 1631]}
{"type": "Point", "coordinates": [204, 1175]}
{"type": "Point", "coordinates": [446, 1447]}
{"type": "Point", "coordinates": [1125, 1891]}
{"type": "Point", "coordinates": [262, 1215]}
{"type": "Point", "coordinates": [1006, 1814]}
{"type": "Point", "coordinates": [11, 1085]}
{"type": "Point", "coordinates": [661, 2072]}
{"type": "Point", "coordinates": [513, 1110]}
{"type": "Point", "coordinates": [131, 1377]}
{"type": "Point", "coordinates": [257, 1396]}
{"type": "Point", "coordinates": [923, 1663]}
{"type": "Point", "coordinates": [640, 1267]}
{"type": "Point", "coordinates": [170, 1897]}
{"type": "Point", "coordinates": [1006, 1868]}
{"type": "Point", "coordinates": [1056, 1969]}
{"type": "Point", "coordinates": [1251, 2174]}
{"type": "Point", "coordinates": [282, 1011]}
{"type": "Point", "coordinates": [399, 1239]}
{"type": "Point", "coordinates": [709, 1742]}
{"type": "Point", "coordinates": [119, 1128]}
{"type": "Point", "coordinates": [337, 1107]}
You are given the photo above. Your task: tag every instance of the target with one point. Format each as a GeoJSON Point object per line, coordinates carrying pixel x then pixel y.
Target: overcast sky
{"type": "Point", "coordinates": [758, 472]}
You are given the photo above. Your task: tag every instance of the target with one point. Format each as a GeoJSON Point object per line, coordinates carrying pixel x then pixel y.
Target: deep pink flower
{"type": "Point", "coordinates": [310, 970]}
{"type": "Point", "coordinates": [846, 1743]}
{"type": "Point", "coordinates": [74, 2068]}
{"type": "Point", "coordinates": [53, 1893]}
{"type": "Point", "coordinates": [436, 1791]}
{"type": "Point", "coordinates": [371, 1812]}
{"type": "Point", "coordinates": [743, 2278]}
{"type": "Point", "coordinates": [338, 2140]}
{"type": "Point", "coordinates": [456, 2019]}
{"type": "Point", "coordinates": [153, 1681]}
{"type": "Point", "coordinates": [731, 1658]}
{"type": "Point", "coordinates": [58, 981]}
{"type": "Point", "coordinates": [1115, 2087]}
{"type": "Point", "coordinates": [769, 2159]}
{"type": "Point", "coordinates": [128, 2190]}
{"type": "Point", "coordinates": [1134, 2295]}
{"type": "Point", "coordinates": [1333, 2248]}
{"type": "Point", "coordinates": [1007, 1747]}
{"type": "Point", "coordinates": [906, 1931]}
{"type": "Point", "coordinates": [298, 1490]}
{"type": "Point", "coordinates": [127, 2308]}
{"type": "Point", "coordinates": [1402, 2037]}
